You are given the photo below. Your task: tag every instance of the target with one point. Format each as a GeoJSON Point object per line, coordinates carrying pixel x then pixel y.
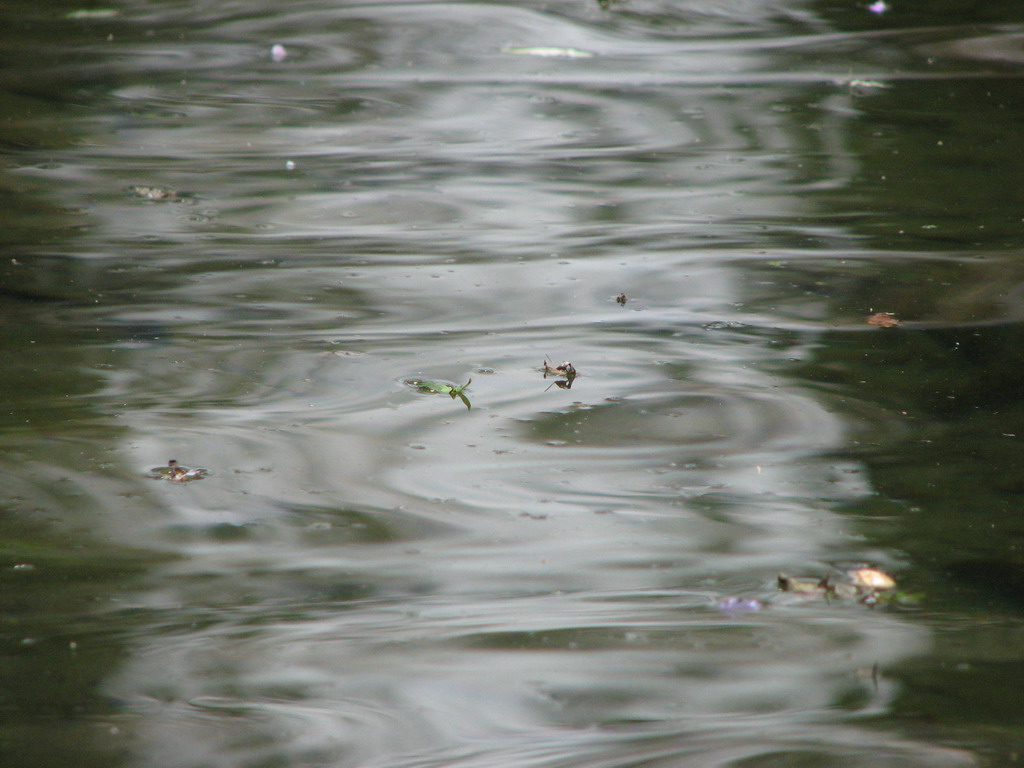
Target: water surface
{"type": "Point", "coordinates": [237, 256]}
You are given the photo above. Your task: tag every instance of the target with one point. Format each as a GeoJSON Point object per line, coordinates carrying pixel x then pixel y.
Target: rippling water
{"type": "Point", "coordinates": [235, 231]}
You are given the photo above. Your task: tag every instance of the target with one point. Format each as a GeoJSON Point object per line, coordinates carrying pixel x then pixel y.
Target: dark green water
{"type": "Point", "coordinates": [236, 256]}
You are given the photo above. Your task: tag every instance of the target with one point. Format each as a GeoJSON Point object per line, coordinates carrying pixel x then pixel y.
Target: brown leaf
{"type": "Point", "coordinates": [883, 320]}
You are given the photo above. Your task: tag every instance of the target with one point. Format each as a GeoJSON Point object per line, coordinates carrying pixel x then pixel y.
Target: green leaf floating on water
{"type": "Point", "coordinates": [441, 388]}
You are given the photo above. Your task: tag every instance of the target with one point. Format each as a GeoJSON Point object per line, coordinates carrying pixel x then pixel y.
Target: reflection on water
{"type": "Point", "coordinates": [236, 233]}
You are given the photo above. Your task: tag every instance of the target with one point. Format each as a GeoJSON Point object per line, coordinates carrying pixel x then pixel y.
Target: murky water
{"type": "Point", "coordinates": [234, 232]}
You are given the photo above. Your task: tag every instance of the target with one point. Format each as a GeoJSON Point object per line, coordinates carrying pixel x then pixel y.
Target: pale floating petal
{"type": "Point", "coordinates": [857, 83]}
{"type": "Point", "coordinates": [872, 578]}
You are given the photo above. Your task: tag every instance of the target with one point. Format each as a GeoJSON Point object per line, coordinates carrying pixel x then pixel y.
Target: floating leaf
{"type": "Point", "coordinates": [434, 386]}
{"type": "Point", "coordinates": [883, 320]}
{"type": "Point", "coordinates": [442, 388]}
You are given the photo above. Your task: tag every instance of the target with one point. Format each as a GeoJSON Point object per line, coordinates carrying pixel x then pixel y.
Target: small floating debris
{"type": "Point", "coordinates": [442, 388]}
{"type": "Point", "coordinates": [621, 299]}
{"type": "Point", "coordinates": [883, 320]}
{"type": "Point", "coordinates": [857, 83]}
{"type": "Point", "coordinates": [800, 585]}
{"type": "Point", "coordinates": [155, 193]}
{"type": "Point", "coordinates": [278, 53]}
{"type": "Point", "coordinates": [177, 473]}
{"type": "Point", "coordinates": [566, 369]}
{"type": "Point", "coordinates": [740, 605]}
{"type": "Point", "coordinates": [564, 373]}
{"type": "Point", "coordinates": [878, 7]}
{"type": "Point", "coordinates": [723, 325]}
{"type": "Point", "coordinates": [549, 52]}
{"type": "Point", "coordinates": [871, 578]}
{"type": "Point", "coordinates": [865, 585]}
